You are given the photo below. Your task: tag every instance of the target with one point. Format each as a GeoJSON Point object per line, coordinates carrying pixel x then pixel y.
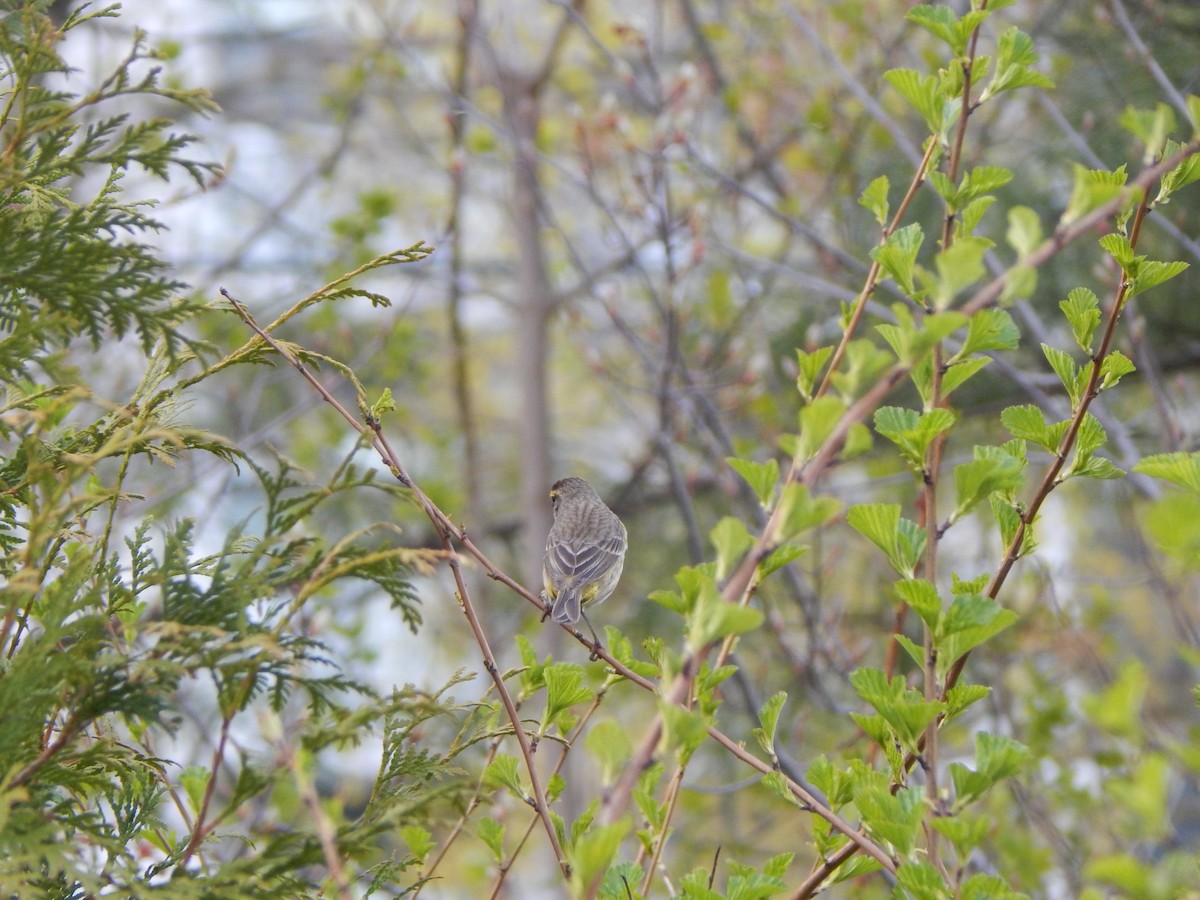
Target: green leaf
{"type": "Point", "coordinates": [1151, 273]}
{"type": "Point", "coordinates": [1009, 520]}
{"type": "Point", "coordinates": [906, 712]}
{"type": "Point", "coordinates": [971, 215]}
{"type": "Point", "coordinates": [977, 480]}
{"type": "Point", "coordinates": [913, 432]}
{"type": "Point", "coordinates": [971, 620]}
{"type": "Point", "coordinates": [924, 93]}
{"type": "Point", "coordinates": [592, 853]}
{"type": "Point", "coordinates": [964, 832]}
{"type": "Point", "coordinates": [1027, 423]}
{"type": "Point", "coordinates": [1151, 127]}
{"type": "Point", "coordinates": [762, 477]}
{"type": "Point", "coordinates": [768, 718]}
{"type": "Point", "coordinates": [922, 597]}
{"type": "Point", "coordinates": [864, 363]}
{"type": "Point", "coordinates": [564, 688]}
{"type": "Point", "coordinates": [959, 372]}
{"type": "Point", "coordinates": [817, 421]}
{"type": "Point", "coordinates": [684, 730]}
{"type": "Point", "coordinates": [988, 887]}
{"type": "Point", "coordinates": [491, 833]}
{"type": "Point", "coordinates": [1068, 374]}
{"type": "Point", "coordinates": [1178, 468]}
{"type": "Point", "coordinates": [921, 881]}
{"type": "Point", "coordinates": [897, 256]}
{"type": "Point", "coordinates": [1014, 56]}
{"type": "Point", "coordinates": [997, 757]}
{"type": "Point", "coordinates": [957, 267]}
{"type": "Point", "coordinates": [194, 780]}
{"type": "Point", "coordinates": [780, 557]}
{"type": "Point", "coordinates": [894, 819]}
{"type": "Point", "coordinates": [609, 743]}
{"type": "Point", "coordinates": [1092, 188]}
{"type": "Point", "coordinates": [989, 329]}
{"type": "Point", "coordinates": [875, 199]}
{"type": "Point", "coordinates": [798, 511]}
{"type": "Point", "coordinates": [502, 772]}
{"type": "Point", "coordinates": [1082, 310]}
{"type": "Point", "coordinates": [711, 618]}
{"type": "Point", "coordinates": [811, 365]}
{"type": "Point", "coordinates": [1115, 367]}
{"type": "Point", "coordinates": [960, 697]}
{"type": "Point", "coordinates": [1024, 231]}
{"type": "Point", "coordinates": [731, 540]}
{"type": "Point", "coordinates": [419, 841]}
{"type": "Point", "coordinates": [911, 342]}
{"type": "Point", "coordinates": [901, 540]}
{"type": "Point", "coordinates": [1180, 176]}
{"type": "Point", "coordinates": [942, 23]}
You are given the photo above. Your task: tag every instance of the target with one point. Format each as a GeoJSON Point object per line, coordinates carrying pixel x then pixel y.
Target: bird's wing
{"type": "Point", "coordinates": [582, 563]}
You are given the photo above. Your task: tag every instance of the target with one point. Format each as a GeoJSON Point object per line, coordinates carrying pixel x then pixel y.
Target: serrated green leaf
{"type": "Point", "coordinates": [1151, 273]}
{"type": "Point", "coordinates": [893, 818]}
{"type": "Point", "coordinates": [1009, 521]}
{"type": "Point", "coordinates": [1178, 468]}
{"type": "Point", "coordinates": [780, 557]}
{"type": "Point", "coordinates": [1064, 368]}
{"type": "Point", "coordinates": [762, 477]}
{"type": "Point", "coordinates": [921, 881]}
{"type": "Point", "coordinates": [1024, 231]}
{"type": "Point", "coordinates": [897, 256]}
{"type": "Point", "coordinates": [864, 363]}
{"type": "Point", "coordinates": [1027, 423]}
{"type": "Point", "coordinates": [875, 199]}
{"type": "Point", "coordinates": [960, 697]}
{"type": "Point", "coordinates": [1182, 175]}
{"type": "Point", "coordinates": [971, 215]}
{"type": "Point", "coordinates": [502, 772]}
{"type": "Point", "coordinates": [731, 540]}
{"type": "Point", "coordinates": [564, 688]}
{"type": "Point", "coordinates": [942, 23]}
{"type": "Point", "coordinates": [996, 757]}
{"type": "Point", "coordinates": [913, 432]}
{"type": "Point", "coordinates": [684, 730]}
{"type": "Point", "coordinates": [712, 618]}
{"type": "Point", "coordinates": [592, 853]}
{"type": "Point", "coordinates": [798, 511]}
{"type": "Point", "coordinates": [958, 267]}
{"type": "Point", "coordinates": [817, 421]}
{"type": "Point", "coordinates": [977, 480]}
{"type": "Point", "coordinates": [768, 718]}
{"type": "Point", "coordinates": [1014, 56]}
{"type": "Point", "coordinates": [609, 743]}
{"type": "Point", "coordinates": [922, 597]}
{"type": "Point", "coordinates": [989, 329]}
{"type": "Point", "coordinates": [924, 93]}
{"type": "Point", "coordinates": [1092, 188]}
{"type": "Point", "coordinates": [1115, 366]}
{"type": "Point", "coordinates": [419, 841]}
{"type": "Point", "coordinates": [958, 373]}
{"type": "Point", "coordinates": [491, 833]}
{"type": "Point", "coordinates": [1151, 127]}
{"type": "Point", "coordinates": [902, 541]}
{"type": "Point", "coordinates": [971, 620]}
{"type": "Point", "coordinates": [1082, 310]}
{"type": "Point", "coordinates": [811, 365]}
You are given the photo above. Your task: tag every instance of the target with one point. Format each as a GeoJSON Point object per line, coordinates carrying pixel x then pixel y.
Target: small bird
{"type": "Point", "coordinates": [585, 552]}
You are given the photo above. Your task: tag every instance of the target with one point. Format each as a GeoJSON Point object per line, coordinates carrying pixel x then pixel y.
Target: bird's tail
{"type": "Point", "coordinates": [566, 607]}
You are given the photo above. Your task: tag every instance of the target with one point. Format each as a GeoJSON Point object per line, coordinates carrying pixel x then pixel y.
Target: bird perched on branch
{"type": "Point", "coordinates": [585, 552]}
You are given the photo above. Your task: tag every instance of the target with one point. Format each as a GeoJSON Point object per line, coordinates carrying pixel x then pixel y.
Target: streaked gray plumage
{"type": "Point", "coordinates": [585, 550]}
